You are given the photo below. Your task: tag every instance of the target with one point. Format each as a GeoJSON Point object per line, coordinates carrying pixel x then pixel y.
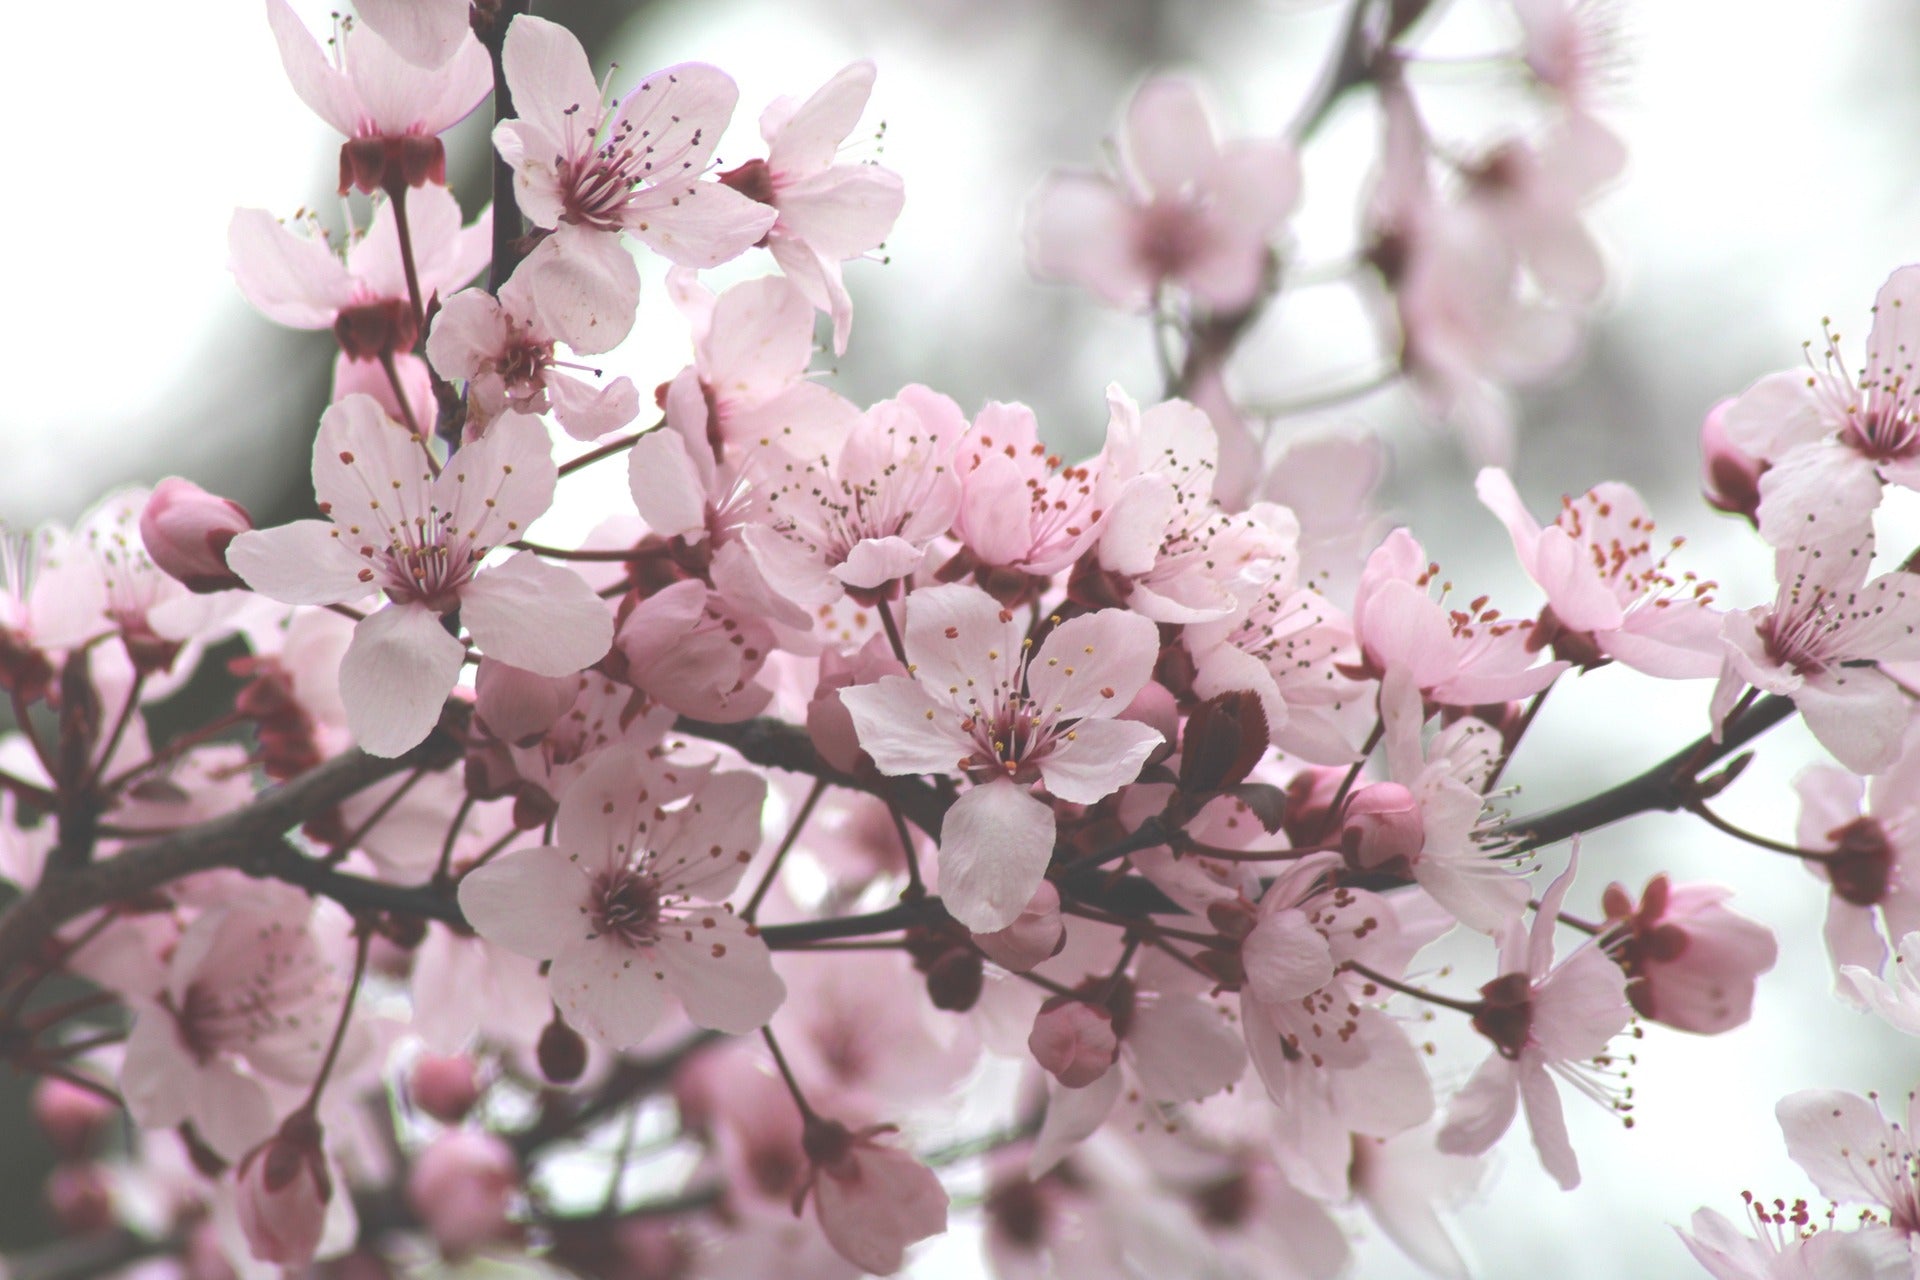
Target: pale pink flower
{"type": "Point", "coordinates": [1791, 1247]}
{"type": "Point", "coordinates": [828, 213]}
{"type": "Point", "coordinates": [1869, 832]}
{"type": "Point", "coordinates": [1542, 1018]}
{"type": "Point", "coordinates": [186, 530]}
{"type": "Point", "coordinates": [1854, 1154]}
{"type": "Point", "coordinates": [393, 526]}
{"type": "Point", "coordinates": [1052, 1226]}
{"type": "Point", "coordinates": [1825, 619]}
{"type": "Point", "coordinates": [1186, 211]}
{"type": "Point", "coordinates": [983, 701]}
{"type": "Point", "coordinates": [872, 1200]}
{"type": "Point", "coordinates": [1457, 657]}
{"type": "Point", "coordinates": [1403, 1182]}
{"type": "Point", "coordinates": [1604, 583]}
{"type": "Point", "coordinates": [689, 649]}
{"type": "Point", "coordinates": [1690, 962]}
{"type": "Point", "coordinates": [623, 904]}
{"type": "Point", "coordinates": [1023, 515]}
{"type": "Point", "coordinates": [752, 346]}
{"type": "Point", "coordinates": [1832, 438]}
{"type": "Point", "coordinates": [1531, 197]}
{"type": "Point", "coordinates": [391, 111]}
{"type": "Point", "coordinates": [503, 348]}
{"type": "Point", "coordinates": [636, 167]}
{"type": "Point", "coordinates": [860, 519]}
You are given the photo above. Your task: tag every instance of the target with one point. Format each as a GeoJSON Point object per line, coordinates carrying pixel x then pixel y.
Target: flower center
{"type": "Point", "coordinates": [1506, 1013]}
{"type": "Point", "coordinates": [625, 906]}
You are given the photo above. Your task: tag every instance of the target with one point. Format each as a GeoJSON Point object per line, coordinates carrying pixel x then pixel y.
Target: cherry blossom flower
{"type": "Point", "coordinates": [283, 1190]}
{"type": "Point", "coordinates": [984, 701]}
{"type": "Point", "coordinates": [1531, 197]}
{"type": "Point", "coordinates": [391, 111]}
{"type": "Point", "coordinates": [395, 527]}
{"type": "Point", "coordinates": [1542, 1017]}
{"type": "Point", "coordinates": [691, 651]}
{"type": "Point", "coordinates": [1186, 211]}
{"type": "Point", "coordinates": [622, 904]}
{"type": "Point", "coordinates": [1606, 590]}
{"type": "Point", "coordinates": [1791, 1247]}
{"type": "Point", "coordinates": [1690, 962]}
{"type": "Point", "coordinates": [1022, 514]}
{"type": "Point", "coordinates": [1870, 834]}
{"type": "Point", "coordinates": [873, 1200]}
{"type": "Point", "coordinates": [635, 167]}
{"type": "Point", "coordinates": [1825, 616]}
{"type": "Point", "coordinates": [1833, 438]}
{"type": "Point", "coordinates": [1854, 1154]}
{"type": "Point", "coordinates": [828, 213]}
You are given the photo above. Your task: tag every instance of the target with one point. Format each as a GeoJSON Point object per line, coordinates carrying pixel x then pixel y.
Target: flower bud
{"type": "Point", "coordinates": [1035, 935]}
{"type": "Point", "coordinates": [1382, 826]}
{"type": "Point", "coordinates": [1225, 738]}
{"type": "Point", "coordinates": [1730, 478]}
{"type": "Point", "coordinates": [186, 531]}
{"type": "Point", "coordinates": [281, 1192]}
{"type": "Point", "coordinates": [462, 1186]}
{"type": "Point", "coordinates": [1074, 1041]}
{"type": "Point", "coordinates": [561, 1053]}
{"type": "Point", "coordinates": [71, 1117]}
{"type": "Point", "coordinates": [80, 1197]}
{"type": "Point", "coordinates": [444, 1087]}
{"type": "Point", "coordinates": [954, 981]}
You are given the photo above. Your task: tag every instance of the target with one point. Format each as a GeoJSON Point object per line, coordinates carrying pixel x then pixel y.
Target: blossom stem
{"type": "Point", "coordinates": [1353, 775]}
{"type": "Point", "coordinates": [786, 1073]}
{"type": "Point", "coordinates": [398, 193]}
{"type": "Point", "coordinates": [1699, 809]}
{"type": "Point", "coordinates": [119, 731]}
{"type": "Point", "coordinates": [406, 411]}
{"type": "Point", "coordinates": [893, 634]}
{"type": "Point", "coordinates": [561, 553]}
{"type": "Point", "coordinates": [174, 749]}
{"type": "Point", "coordinates": [787, 841]}
{"type": "Point", "coordinates": [507, 224]}
{"type": "Point", "coordinates": [24, 723]}
{"type": "Point", "coordinates": [28, 791]}
{"type": "Point", "coordinates": [1329, 398]}
{"type": "Point", "coordinates": [453, 832]}
{"type": "Point", "coordinates": [1418, 993]}
{"type": "Point", "coordinates": [362, 939]}
{"type": "Point", "coordinates": [1147, 928]}
{"type": "Point", "coordinates": [607, 450]}
{"type": "Point", "coordinates": [916, 889]}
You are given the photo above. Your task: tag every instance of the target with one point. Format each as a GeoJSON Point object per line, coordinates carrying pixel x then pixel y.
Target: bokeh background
{"type": "Point", "coordinates": [1773, 181]}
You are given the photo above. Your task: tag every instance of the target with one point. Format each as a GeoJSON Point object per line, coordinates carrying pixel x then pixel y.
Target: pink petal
{"type": "Point", "coordinates": [995, 843]}
{"type": "Point", "coordinates": [536, 616]}
{"type": "Point", "coordinates": [1169, 138]}
{"type": "Point", "coordinates": [1549, 1124]}
{"type": "Point", "coordinates": [874, 562]}
{"type": "Point", "coordinates": [1097, 758]}
{"type": "Point", "coordinates": [530, 902]}
{"type": "Point", "coordinates": [1080, 230]}
{"type": "Point", "coordinates": [470, 328]}
{"type": "Point", "coordinates": [1286, 957]}
{"type": "Point", "coordinates": [299, 563]}
{"type": "Point", "coordinates": [1857, 713]}
{"type": "Point", "coordinates": [844, 212]}
{"type": "Point", "coordinates": [587, 412]}
{"type": "Point", "coordinates": [958, 634]}
{"type": "Point", "coordinates": [1580, 1006]}
{"type": "Point", "coordinates": [368, 470]}
{"type": "Point", "coordinates": [585, 287]}
{"type": "Point", "coordinates": [499, 484]}
{"type": "Point", "coordinates": [1093, 665]}
{"type": "Point", "coordinates": [724, 976]}
{"type": "Point", "coordinates": [395, 677]}
{"type": "Point", "coordinates": [549, 76]}
{"type": "Point", "coordinates": [1821, 491]}
{"type": "Point", "coordinates": [871, 1213]}
{"type": "Point", "coordinates": [614, 994]}
{"type": "Point", "coordinates": [318, 83]}
{"type": "Point", "coordinates": [1183, 1049]}
{"type": "Point", "coordinates": [291, 279]}
{"type": "Point", "coordinates": [1775, 414]}
{"type": "Point", "coordinates": [806, 140]}
{"type": "Point", "coordinates": [903, 729]}
{"type": "Point", "coordinates": [1895, 335]}
{"type": "Point", "coordinates": [667, 487]}
{"type": "Point", "coordinates": [761, 339]}
{"type": "Point", "coordinates": [698, 224]}
{"type": "Point", "coordinates": [806, 420]}
{"type": "Point", "coordinates": [1072, 1116]}
{"type": "Point", "coordinates": [1483, 1109]}
{"type": "Point", "coordinates": [702, 849]}
{"type": "Point", "coordinates": [424, 32]}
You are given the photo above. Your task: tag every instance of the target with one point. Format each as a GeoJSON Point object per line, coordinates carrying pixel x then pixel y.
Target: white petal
{"type": "Point", "coordinates": [995, 844]}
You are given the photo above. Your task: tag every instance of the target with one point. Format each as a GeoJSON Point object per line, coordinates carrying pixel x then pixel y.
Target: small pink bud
{"type": "Point", "coordinates": [70, 1116]}
{"type": "Point", "coordinates": [187, 530]}
{"type": "Point", "coordinates": [1074, 1041]}
{"type": "Point", "coordinates": [462, 1186]}
{"type": "Point", "coordinates": [1035, 935]}
{"type": "Point", "coordinates": [80, 1197]}
{"type": "Point", "coordinates": [1382, 825]}
{"type": "Point", "coordinates": [444, 1087]}
{"type": "Point", "coordinates": [281, 1192]}
{"type": "Point", "coordinates": [1730, 478]}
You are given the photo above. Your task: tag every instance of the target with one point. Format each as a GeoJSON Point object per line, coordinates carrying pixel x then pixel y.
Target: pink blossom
{"type": "Point", "coordinates": [634, 167]}
{"type": "Point", "coordinates": [1824, 619]}
{"type": "Point", "coordinates": [827, 213]}
{"type": "Point", "coordinates": [1531, 196]}
{"type": "Point", "coordinates": [1690, 962]}
{"type": "Point", "coordinates": [873, 1200]}
{"type": "Point", "coordinates": [1730, 476]}
{"type": "Point", "coordinates": [1791, 1247]}
{"type": "Point", "coordinates": [690, 649]}
{"type": "Point", "coordinates": [503, 347]}
{"type": "Point", "coordinates": [622, 903]}
{"type": "Point", "coordinates": [983, 701]}
{"type": "Point", "coordinates": [282, 1190]}
{"type": "Point", "coordinates": [859, 520]}
{"type": "Point", "coordinates": [393, 526]}
{"type": "Point", "coordinates": [1186, 211]}
{"type": "Point", "coordinates": [1542, 1018]}
{"type": "Point", "coordinates": [1854, 1154]}
{"type": "Point", "coordinates": [391, 111]}
{"type": "Point", "coordinates": [462, 1186]}
{"type": "Point", "coordinates": [1607, 591]}
{"type": "Point", "coordinates": [1022, 514]}
{"type": "Point", "coordinates": [186, 530]}
{"type": "Point", "coordinates": [1869, 832]}
{"type": "Point", "coordinates": [1833, 438]}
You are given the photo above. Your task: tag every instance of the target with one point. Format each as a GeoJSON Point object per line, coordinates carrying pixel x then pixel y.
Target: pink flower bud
{"type": "Point", "coordinates": [462, 1186]}
{"type": "Point", "coordinates": [1074, 1041]}
{"type": "Point", "coordinates": [1382, 825]}
{"type": "Point", "coordinates": [70, 1116]}
{"type": "Point", "coordinates": [187, 530]}
{"type": "Point", "coordinates": [1730, 478]}
{"type": "Point", "coordinates": [80, 1197]}
{"type": "Point", "coordinates": [281, 1191]}
{"type": "Point", "coordinates": [1035, 936]}
{"type": "Point", "coordinates": [444, 1087]}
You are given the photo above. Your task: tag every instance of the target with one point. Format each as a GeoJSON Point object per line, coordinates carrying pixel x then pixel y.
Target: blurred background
{"type": "Point", "coordinates": [1772, 182]}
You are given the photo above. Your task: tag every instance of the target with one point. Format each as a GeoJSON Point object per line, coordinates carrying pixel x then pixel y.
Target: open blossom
{"type": "Point", "coordinates": [393, 526]}
{"type": "Point", "coordinates": [1186, 212]}
{"type": "Point", "coordinates": [1854, 1154]}
{"type": "Point", "coordinates": [391, 111]}
{"type": "Point", "coordinates": [982, 700]}
{"type": "Point", "coordinates": [1022, 513]}
{"type": "Point", "coordinates": [1790, 1246]}
{"type": "Point", "coordinates": [873, 1200]}
{"type": "Point", "coordinates": [1825, 618]}
{"type": "Point", "coordinates": [637, 166]}
{"type": "Point", "coordinates": [1690, 962]}
{"type": "Point", "coordinates": [1869, 832]}
{"type": "Point", "coordinates": [827, 213]}
{"type": "Point", "coordinates": [624, 903]}
{"type": "Point", "coordinates": [1608, 592]}
{"type": "Point", "coordinates": [1542, 1017]}
{"type": "Point", "coordinates": [1831, 438]}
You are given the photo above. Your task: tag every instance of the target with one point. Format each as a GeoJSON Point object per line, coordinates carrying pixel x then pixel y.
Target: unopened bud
{"type": "Point", "coordinates": [1382, 826]}
{"type": "Point", "coordinates": [1730, 477]}
{"type": "Point", "coordinates": [1074, 1041]}
{"type": "Point", "coordinates": [71, 1117]}
{"type": "Point", "coordinates": [462, 1186]}
{"type": "Point", "coordinates": [186, 531]}
{"type": "Point", "coordinates": [283, 1186]}
{"type": "Point", "coordinates": [561, 1053]}
{"type": "Point", "coordinates": [955, 979]}
{"type": "Point", "coordinates": [80, 1197]}
{"type": "Point", "coordinates": [1225, 738]}
{"type": "Point", "coordinates": [444, 1087]}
